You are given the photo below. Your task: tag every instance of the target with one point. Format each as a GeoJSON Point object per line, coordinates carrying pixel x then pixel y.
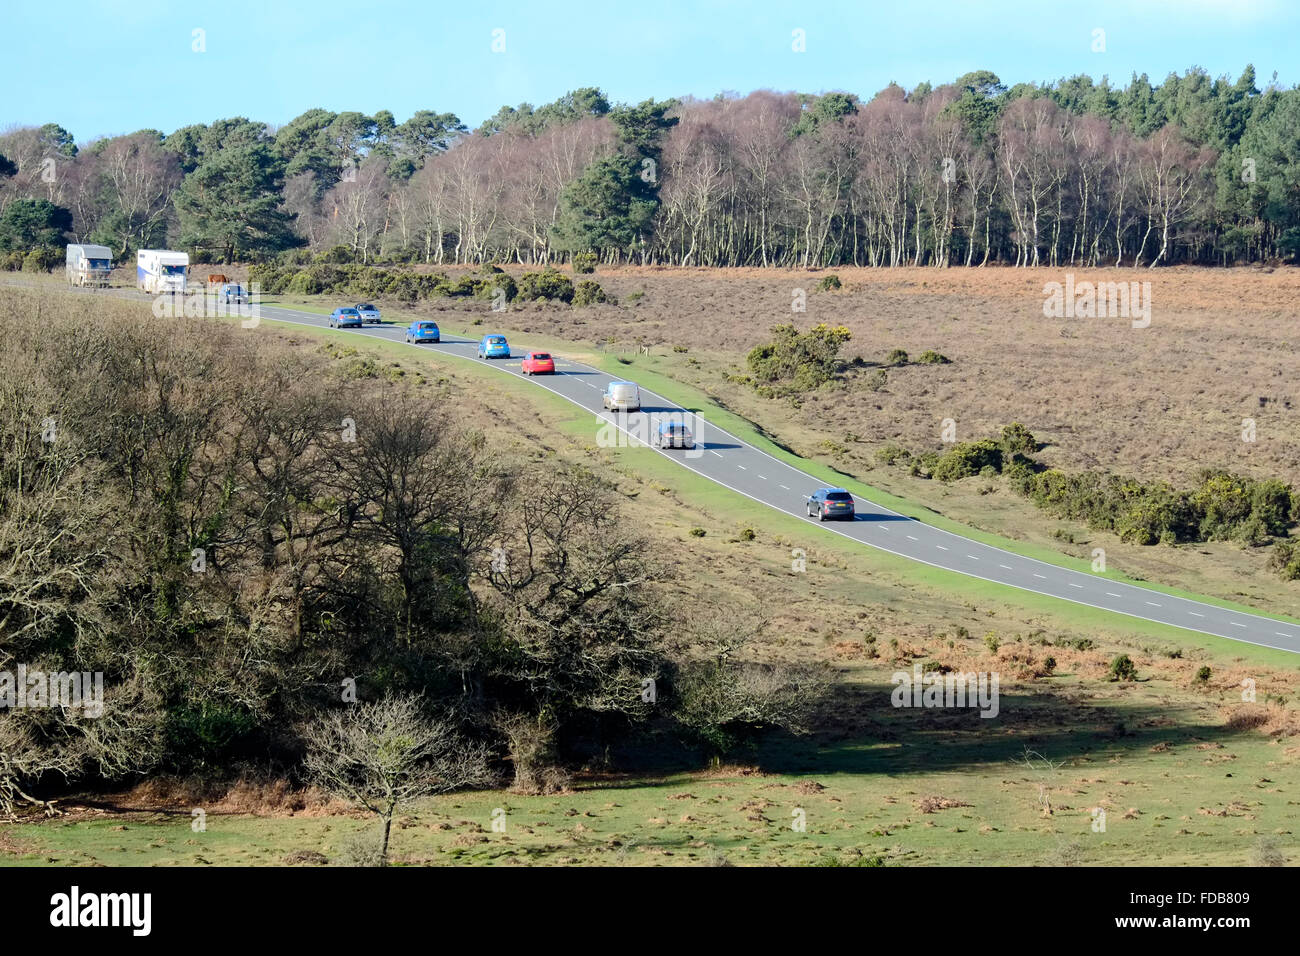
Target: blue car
{"type": "Point", "coordinates": [345, 319]}
{"type": "Point", "coordinates": [493, 346]}
{"type": "Point", "coordinates": [422, 330]}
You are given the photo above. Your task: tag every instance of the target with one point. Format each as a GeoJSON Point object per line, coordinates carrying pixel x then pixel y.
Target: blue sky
{"type": "Point", "coordinates": [121, 65]}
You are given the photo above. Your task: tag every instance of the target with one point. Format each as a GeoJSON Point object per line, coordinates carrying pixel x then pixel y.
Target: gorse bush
{"type": "Point", "coordinates": [797, 361]}
{"type": "Point", "coordinates": [588, 292]}
{"type": "Point", "coordinates": [1222, 507]}
{"type": "Point", "coordinates": [966, 459]}
{"type": "Point", "coordinates": [548, 284]}
{"type": "Point", "coordinates": [1122, 668]}
{"type": "Point", "coordinates": [931, 357]}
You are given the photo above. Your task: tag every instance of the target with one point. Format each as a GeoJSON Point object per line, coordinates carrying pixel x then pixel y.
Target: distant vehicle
{"type": "Point", "coordinates": [538, 363]}
{"type": "Point", "coordinates": [493, 346]}
{"type": "Point", "coordinates": [89, 265]}
{"type": "Point", "coordinates": [232, 292]}
{"type": "Point", "coordinates": [368, 312]}
{"type": "Point", "coordinates": [623, 396]}
{"type": "Point", "coordinates": [672, 435]}
{"type": "Point", "coordinates": [345, 319]}
{"type": "Point", "coordinates": [422, 330]}
{"type": "Point", "coordinates": [830, 503]}
{"type": "Point", "coordinates": [217, 279]}
{"type": "Point", "coordinates": [161, 270]}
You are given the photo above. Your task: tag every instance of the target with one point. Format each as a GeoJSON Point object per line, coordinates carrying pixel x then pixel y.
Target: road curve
{"type": "Point", "coordinates": [731, 462]}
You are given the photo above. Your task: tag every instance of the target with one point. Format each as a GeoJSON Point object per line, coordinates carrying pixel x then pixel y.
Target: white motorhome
{"type": "Point", "coordinates": [89, 265]}
{"type": "Point", "coordinates": [160, 270]}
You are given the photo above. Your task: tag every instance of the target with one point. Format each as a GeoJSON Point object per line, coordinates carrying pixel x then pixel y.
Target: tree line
{"type": "Point", "coordinates": [1191, 170]}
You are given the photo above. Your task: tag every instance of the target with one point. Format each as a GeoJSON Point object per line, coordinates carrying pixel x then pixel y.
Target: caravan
{"type": "Point", "coordinates": [159, 270]}
{"type": "Point", "coordinates": [89, 265]}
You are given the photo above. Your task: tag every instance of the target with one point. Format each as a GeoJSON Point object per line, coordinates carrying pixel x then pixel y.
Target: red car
{"type": "Point", "coordinates": [536, 363]}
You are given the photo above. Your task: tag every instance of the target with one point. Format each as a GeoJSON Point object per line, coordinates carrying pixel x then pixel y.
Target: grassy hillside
{"type": "Point", "coordinates": [1185, 771]}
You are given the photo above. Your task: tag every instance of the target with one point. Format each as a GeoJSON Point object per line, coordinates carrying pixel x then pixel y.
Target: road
{"type": "Point", "coordinates": [731, 462]}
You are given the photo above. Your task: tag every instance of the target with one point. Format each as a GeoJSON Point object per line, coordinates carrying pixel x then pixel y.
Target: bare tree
{"type": "Point", "coordinates": [385, 754]}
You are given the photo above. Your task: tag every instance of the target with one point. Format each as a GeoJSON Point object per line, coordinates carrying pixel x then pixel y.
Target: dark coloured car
{"type": "Point", "coordinates": [825, 503]}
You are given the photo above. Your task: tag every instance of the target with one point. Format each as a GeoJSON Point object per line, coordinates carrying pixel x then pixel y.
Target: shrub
{"type": "Point", "coordinates": [1203, 675]}
{"type": "Point", "coordinates": [797, 361]}
{"type": "Point", "coordinates": [41, 259]}
{"type": "Point", "coordinates": [1017, 440]}
{"type": "Point", "coordinates": [968, 458]}
{"type": "Point", "coordinates": [588, 292]}
{"type": "Point", "coordinates": [304, 283]}
{"type": "Point", "coordinates": [547, 284]}
{"type": "Point", "coordinates": [877, 380]}
{"type": "Point", "coordinates": [1285, 560]}
{"type": "Point", "coordinates": [990, 641]}
{"type": "Point", "coordinates": [271, 279]}
{"type": "Point", "coordinates": [584, 263]}
{"type": "Point", "coordinates": [1123, 668]}
{"type": "Point", "coordinates": [501, 284]}
{"type": "Point", "coordinates": [931, 357]}
{"type": "Point", "coordinates": [896, 357]}
{"type": "Point", "coordinates": [338, 255]}
{"type": "Point", "coordinates": [891, 454]}
{"type": "Point", "coordinates": [725, 705]}
{"type": "Point", "coordinates": [697, 532]}
{"type": "Point", "coordinates": [830, 283]}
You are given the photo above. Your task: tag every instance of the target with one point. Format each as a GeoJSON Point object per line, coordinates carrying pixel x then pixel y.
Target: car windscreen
{"type": "Point", "coordinates": [839, 496]}
{"type": "Point", "coordinates": [541, 357]}
{"type": "Point", "coordinates": [368, 308]}
{"type": "Point", "coordinates": [496, 340]}
{"type": "Point", "coordinates": [428, 327]}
